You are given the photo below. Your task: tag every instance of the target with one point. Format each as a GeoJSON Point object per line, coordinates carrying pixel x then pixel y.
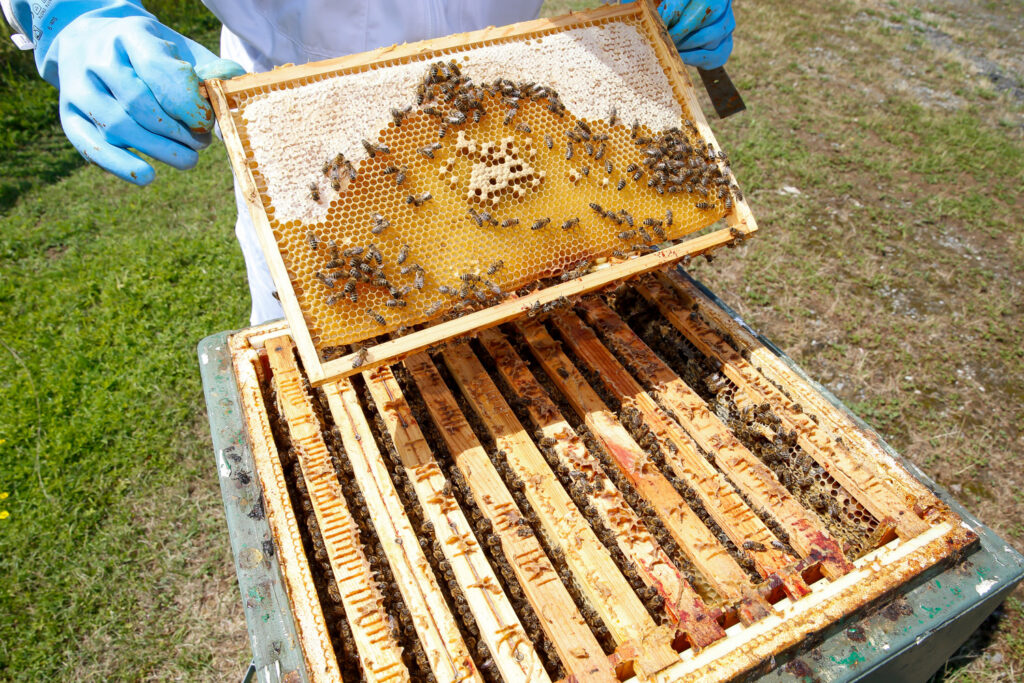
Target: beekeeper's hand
{"type": "Point", "coordinates": [701, 29]}
{"type": "Point", "coordinates": [126, 82]}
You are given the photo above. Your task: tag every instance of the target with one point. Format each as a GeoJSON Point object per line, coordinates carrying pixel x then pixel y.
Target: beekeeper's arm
{"type": "Point", "coordinates": [126, 81]}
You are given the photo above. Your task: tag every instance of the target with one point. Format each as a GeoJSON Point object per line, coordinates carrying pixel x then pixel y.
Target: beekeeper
{"type": "Point", "coordinates": [129, 84]}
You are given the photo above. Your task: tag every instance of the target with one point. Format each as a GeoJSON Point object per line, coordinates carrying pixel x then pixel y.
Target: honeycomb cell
{"type": "Point", "coordinates": [473, 165]}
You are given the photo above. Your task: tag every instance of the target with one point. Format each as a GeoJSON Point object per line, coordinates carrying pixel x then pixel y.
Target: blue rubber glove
{"type": "Point", "coordinates": [125, 81]}
{"type": "Point", "coordinates": [701, 29]}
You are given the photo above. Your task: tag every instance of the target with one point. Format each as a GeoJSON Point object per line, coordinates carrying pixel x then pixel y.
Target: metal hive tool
{"type": "Point", "coordinates": [472, 173]}
{"type": "Point", "coordinates": [630, 485]}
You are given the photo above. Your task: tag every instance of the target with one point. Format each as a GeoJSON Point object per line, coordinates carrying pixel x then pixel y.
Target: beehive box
{"type": "Point", "coordinates": [473, 177]}
{"type": "Point", "coordinates": [630, 486]}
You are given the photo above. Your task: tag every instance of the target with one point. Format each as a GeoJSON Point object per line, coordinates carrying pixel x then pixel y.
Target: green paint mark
{"type": "Point", "coordinates": [932, 611]}
{"type": "Point", "coordinates": [256, 593]}
{"type": "Point", "coordinates": [956, 590]}
{"type": "Point", "coordinates": [851, 660]}
{"type": "Point", "coordinates": [937, 584]}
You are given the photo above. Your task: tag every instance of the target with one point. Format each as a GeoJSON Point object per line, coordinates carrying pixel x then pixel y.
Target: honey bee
{"type": "Point", "coordinates": [403, 254]}
{"type": "Point", "coordinates": [336, 183]}
{"type": "Point", "coordinates": [633, 129]}
{"type": "Point", "coordinates": [668, 217]}
{"type": "Point", "coordinates": [585, 131]}
{"type": "Point", "coordinates": [589, 148]}
{"type": "Point", "coordinates": [597, 208]}
{"type": "Point", "coordinates": [495, 267]}
{"type": "Point", "coordinates": [585, 170]}
{"type": "Point", "coordinates": [377, 317]}
{"type": "Point", "coordinates": [433, 308]}
{"type": "Point", "coordinates": [626, 235]}
{"type": "Point", "coordinates": [637, 176]}
{"type": "Point", "coordinates": [370, 148]}
{"type": "Point", "coordinates": [419, 280]}
{"type": "Point", "coordinates": [445, 289]}
{"type": "Point", "coordinates": [522, 127]}
{"type": "Point", "coordinates": [626, 216]}
{"type": "Point", "coordinates": [621, 184]}
{"type": "Point", "coordinates": [600, 151]}
{"type": "Point", "coordinates": [548, 142]}
{"type": "Point", "coordinates": [395, 303]}
{"type": "Point", "coordinates": [332, 299]}
{"type": "Point", "coordinates": [456, 118]}
{"type": "Point", "coordinates": [428, 151]}
{"type": "Point", "coordinates": [540, 223]}
{"type": "Point", "coordinates": [312, 240]}
{"type": "Point", "coordinates": [704, 205]}
{"type": "Point", "coordinates": [510, 114]}
{"type": "Point", "coordinates": [571, 223]}
{"type": "Point", "coordinates": [509, 222]}
{"type": "Point", "coordinates": [608, 168]}
{"type": "Point", "coordinates": [360, 357]}
{"type": "Point", "coordinates": [613, 116]}
{"type": "Point", "coordinates": [568, 151]}
{"type": "Point", "coordinates": [475, 217]}
{"type": "Point", "coordinates": [314, 192]}
{"type": "Point", "coordinates": [379, 224]}
{"type": "Point", "coordinates": [400, 176]}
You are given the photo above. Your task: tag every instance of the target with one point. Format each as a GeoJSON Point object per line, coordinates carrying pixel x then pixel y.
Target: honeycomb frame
{"type": "Point", "coordinates": [307, 308]}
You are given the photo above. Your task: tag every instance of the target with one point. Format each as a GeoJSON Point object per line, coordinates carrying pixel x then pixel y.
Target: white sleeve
{"type": "Point", "coordinates": [21, 41]}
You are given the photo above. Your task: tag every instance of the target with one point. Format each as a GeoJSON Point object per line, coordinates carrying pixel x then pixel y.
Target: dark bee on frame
{"type": "Point", "coordinates": [540, 223]}
{"type": "Point", "coordinates": [377, 317]}
{"type": "Point", "coordinates": [312, 240]}
{"type": "Point", "coordinates": [428, 151]}
{"type": "Point", "coordinates": [314, 192]}
{"type": "Point", "coordinates": [509, 222]}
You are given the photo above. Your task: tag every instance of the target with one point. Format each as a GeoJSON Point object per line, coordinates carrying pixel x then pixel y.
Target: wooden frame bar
{"type": "Point", "coordinates": [577, 647]}
{"type": "Point", "coordinates": [223, 96]}
{"type": "Point", "coordinates": [682, 603]}
{"type": "Point", "coordinates": [716, 493]}
{"type": "Point", "coordinates": [865, 444]}
{"type": "Point", "coordinates": [806, 533]}
{"type": "Point", "coordinates": [310, 626]}
{"type": "Point", "coordinates": [566, 528]}
{"type": "Point", "coordinates": [856, 477]}
{"type": "Point", "coordinates": [380, 655]}
{"type": "Point", "coordinates": [515, 659]}
{"type": "Point", "coordinates": [693, 537]}
{"type": "Point", "coordinates": [435, 625]}
{"type": "Point", "coordinates": [393, 350]}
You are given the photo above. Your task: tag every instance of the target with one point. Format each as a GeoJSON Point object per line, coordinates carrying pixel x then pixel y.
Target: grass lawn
{"type": "Point", "coordinates": [893, 273]}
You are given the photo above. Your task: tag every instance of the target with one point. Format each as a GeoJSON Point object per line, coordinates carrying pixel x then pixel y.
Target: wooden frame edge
{"type": "Point", "coordinates": [393, 350]}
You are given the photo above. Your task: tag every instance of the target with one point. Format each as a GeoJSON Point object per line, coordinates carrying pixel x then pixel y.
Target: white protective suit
{"type": "Point", "coordinates": [261, 34]}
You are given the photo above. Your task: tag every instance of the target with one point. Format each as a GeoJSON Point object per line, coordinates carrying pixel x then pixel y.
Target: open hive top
{"type": "Point", "coordinates": [392, 190]}
{"type": "Point", "coordinates": [631, 485]}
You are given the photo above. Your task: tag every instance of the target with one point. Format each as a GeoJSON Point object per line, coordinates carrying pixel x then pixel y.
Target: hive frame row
{"type": "Point", "coordinates": [740, 222]}
{"type": "Point", "coordinates": [746, 644]}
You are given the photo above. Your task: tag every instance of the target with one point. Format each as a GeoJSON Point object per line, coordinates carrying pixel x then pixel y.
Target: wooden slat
{"type": "Point", "coordinates": [693, 537]}
{"type": "Point", "coordinates": [314, 639]}
{"type": "Point", "coordinates": [268, 243]}
{"type": "Point", "coordinates": [515, 660]}
{"type": "Point", "coordinates": [395, 54]}
{"type": "Point", "coordinates": [393, 350]}
{"type": "Point", "coordinates": [656, 568]}
{"type": "Point", "coordinates": [864, 445]}
{"type": "Point", "coordinates": [380, 655]}
{"type": "Point", "coordinates": [806, 533]}
{"type": "Point", "coordinates": [435, 625]}
{"type": "Point", "coordinates": [856, 477]}
{"type": "Point", "coordinates": [565, 526]}
{"type": "Point", "coordinates": [716, 493]}
{"type": "Point", "coordinates": [576, 645]}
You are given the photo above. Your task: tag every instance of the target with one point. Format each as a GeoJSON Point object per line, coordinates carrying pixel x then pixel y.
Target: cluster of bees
{"type": "Point", "coordinates": [757, 427]}
{"type": "Point", "coordinates": [490, 543]}
{"type": "Point", "coordinates": [676, 160]}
